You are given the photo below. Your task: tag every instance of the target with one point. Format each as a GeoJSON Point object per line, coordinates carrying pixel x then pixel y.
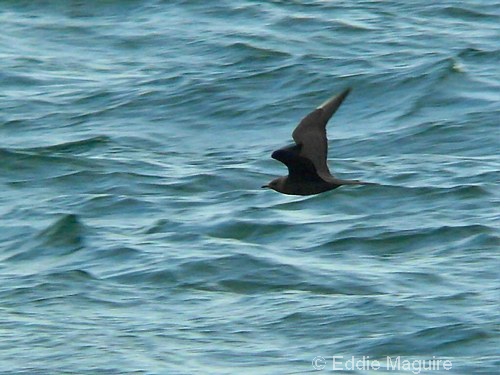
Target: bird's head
{"type": "Point", "coordinates": [278, 184]}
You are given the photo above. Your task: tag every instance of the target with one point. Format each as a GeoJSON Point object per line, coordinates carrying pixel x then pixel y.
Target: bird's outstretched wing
{"type": "Point", "coordinates": [299, 168]}
{"type": "Point", "coordinates": [311, 134]}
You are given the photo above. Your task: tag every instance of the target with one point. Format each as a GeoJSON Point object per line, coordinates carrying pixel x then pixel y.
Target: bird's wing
{"type": "Point", "coordinates": [299, 168]}
{"type": "Point", "coordinates": [311, 134]}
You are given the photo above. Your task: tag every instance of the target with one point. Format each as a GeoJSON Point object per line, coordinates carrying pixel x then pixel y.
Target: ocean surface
{"type": "Point", "coordinates": [135, 237]}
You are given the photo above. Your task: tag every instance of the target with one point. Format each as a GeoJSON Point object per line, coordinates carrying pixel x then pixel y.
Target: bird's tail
{"type": "Point", "coordinates": [355, 182]}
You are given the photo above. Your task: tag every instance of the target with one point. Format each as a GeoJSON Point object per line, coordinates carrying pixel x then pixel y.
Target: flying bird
{"type": "Point", "coordinates": [308, 172]}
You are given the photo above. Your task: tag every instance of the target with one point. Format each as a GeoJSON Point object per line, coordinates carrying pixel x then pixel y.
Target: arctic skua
{"type": "Point", "coordinates": [308, 172]}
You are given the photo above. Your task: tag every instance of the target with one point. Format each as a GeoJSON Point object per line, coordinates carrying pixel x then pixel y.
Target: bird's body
{"type": "Point", "coordinates": [304, 187]}
{"type": "Point", "coordinates": [308, 171]}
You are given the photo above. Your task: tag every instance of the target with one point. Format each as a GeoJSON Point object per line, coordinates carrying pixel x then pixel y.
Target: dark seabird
{"type": "Point", "coordinates": [308, 171]}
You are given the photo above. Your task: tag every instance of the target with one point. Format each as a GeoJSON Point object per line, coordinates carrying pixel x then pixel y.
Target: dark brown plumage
{"type": "Point", "coordinates": [308, 171]}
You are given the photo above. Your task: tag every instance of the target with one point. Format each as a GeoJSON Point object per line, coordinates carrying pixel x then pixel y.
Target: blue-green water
{"type": "Point", "coordinates": [135, 136]}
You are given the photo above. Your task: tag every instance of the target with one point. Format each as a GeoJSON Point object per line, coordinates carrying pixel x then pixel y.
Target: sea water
{"type": "Point", "coordinates": [135, 238]}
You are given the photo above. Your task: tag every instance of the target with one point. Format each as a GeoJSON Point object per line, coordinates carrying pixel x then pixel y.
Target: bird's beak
{"type": "Point", "coordinates": [264, 186]}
